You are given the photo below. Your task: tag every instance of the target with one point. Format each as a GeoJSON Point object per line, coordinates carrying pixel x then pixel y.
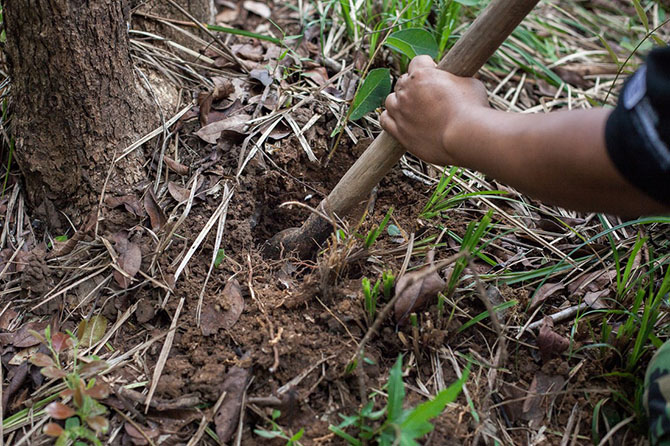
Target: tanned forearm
{"type": "Point", "coordinates": [559, 158]}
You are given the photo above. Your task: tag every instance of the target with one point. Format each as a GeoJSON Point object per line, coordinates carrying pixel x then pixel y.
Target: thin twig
{"type": "Point", "coordinates": [165, 352]}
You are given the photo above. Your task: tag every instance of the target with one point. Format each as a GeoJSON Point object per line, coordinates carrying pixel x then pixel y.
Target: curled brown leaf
{"type": "Point", "coordinates": [228, 414]}
{"type": "Point", "coordinates": [544, 292]}
{"type": "Point", "coordinates": [130, 260]}
{"type": "Point", "coordinates": [416, 289]}
{"type": "Point", "coordinates": [549, 342]}
{"type": "Point", "coordinates": [156, 214]}
{"type": "Point", "coordinates": [176, 167]}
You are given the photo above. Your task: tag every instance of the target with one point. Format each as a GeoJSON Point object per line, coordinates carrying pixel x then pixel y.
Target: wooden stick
{"type": "Point", "coordinates": [467, 56]}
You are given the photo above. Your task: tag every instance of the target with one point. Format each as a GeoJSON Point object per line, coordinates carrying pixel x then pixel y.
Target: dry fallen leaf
{"type": "Point", "coordinates": [59, 411]}
{"type": "Point", "coordinates": [174, 166]}
{"type": "Point", "coordinates": [232, 303]}
{"type": "Point", "coordinates": [180, 194]}
{"type": "Point", "coordinates": [549, 342]}
{"type": "Point", "coordinates": [596, 300]}
{"type": "Point", "coordinates": [23, 337]}
{"type": "Point", "coordinates": [92, 330]}
{"type": "Point", "coordinates": [228, 414]}
{"type": "Point", "coordinates": [319, 75]}
{"type": "Point", "coordinates": [156, 214]}
{"type": "Point", "coordinates": [130, 260]}
{"type": "Point", "coordinates": [6, 318]}
{"type": "Point", "coordinates": [540, 394]}
{"type": "Point", "coordinates": [130, 202]}
{"type": "Point", "coordinates": [595, 281]}
{"type": "Point", "coordinates": [546, 291]}
{"type": "Point", "coordinates": [261, 75]}
{"type": "Point", "coordinates": [140, 438]}
{"type": "Point", "coordinates": [211, 132]}
{"type": "Point", "coordinates": [258, 8]}
{"type": "Point", "coordinates": [415, 290]}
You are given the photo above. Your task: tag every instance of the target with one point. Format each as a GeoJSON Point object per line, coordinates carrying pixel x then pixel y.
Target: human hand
{"type": "Point", "coordinates": [430, 111]}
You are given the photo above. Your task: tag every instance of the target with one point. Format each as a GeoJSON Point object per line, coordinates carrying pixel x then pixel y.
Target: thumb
{"type": "Point", "coordinates": [420, 62]}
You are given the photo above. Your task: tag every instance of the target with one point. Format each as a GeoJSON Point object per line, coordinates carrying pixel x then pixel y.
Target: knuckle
{"type": "Point", "coordinates": [389, 100]}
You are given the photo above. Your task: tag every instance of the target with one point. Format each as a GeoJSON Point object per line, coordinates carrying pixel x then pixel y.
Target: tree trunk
{"type": "Point", "coordinates": [76, 101]}
{"type": "Point", "coordinates": [201, 10]}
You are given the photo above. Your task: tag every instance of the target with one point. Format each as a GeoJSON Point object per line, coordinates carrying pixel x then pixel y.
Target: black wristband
{"type": "Point", "coordinates": [637, 133]}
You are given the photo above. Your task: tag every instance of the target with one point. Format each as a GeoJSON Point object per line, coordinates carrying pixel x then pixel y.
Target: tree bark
{"type": "Point", "coordinates": [201, 10]}
{"type": "Point", "coordinates": [77, 102]}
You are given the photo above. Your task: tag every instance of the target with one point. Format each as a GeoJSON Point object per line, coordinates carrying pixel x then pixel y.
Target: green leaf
{"type": "Point", "coordinates": [241, 32]}
{"type": "Point", "coordinates": [417, 424]}
{"type": "Point", "coordinates": [468, 2]}
{"type": "Point", "coordinates": [483, 315]}
{"type": "Point", "coordinates": [72, 423]}
{"type": "Point", "coordinates": [641, 14]}
{"type": "Point", "coordinates": [92, 330]}
{"type": "Point", "coordinates": [658, 40]}
{"type": "Point", "coordinates": [396, 391]}
{"type": "Point", "coordinates": [375, 88]}
{"type": "Point", "coordinates": [350, 367]}
{"type": "Point", "coordinates": [266, 434]}
{"type": "Point", "coordinates": [413, 42]}
{"type": "Point", "coordinates": [609, 49]}
{"type": "Point", "coordinates": [61, 238]}
{"type": "Point", "coordinates": [296, 437]}
{"type": "Point", "coordinates": [340, 433]}
{"type": "Point", "coordinates": [220, 255]}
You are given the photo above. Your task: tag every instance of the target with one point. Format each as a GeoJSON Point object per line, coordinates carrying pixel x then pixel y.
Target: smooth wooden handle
{"type": "Point", "coordinates": [467, 56]}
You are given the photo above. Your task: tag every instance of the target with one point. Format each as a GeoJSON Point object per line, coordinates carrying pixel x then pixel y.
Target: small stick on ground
{"type": "Point", "coordinates": [135, 425]}
{"type": "Point", "coordinates": [162, 358]}
{"type": "Point", "coordinates": [206, 419]}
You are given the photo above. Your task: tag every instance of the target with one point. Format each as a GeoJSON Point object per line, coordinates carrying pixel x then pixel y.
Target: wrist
{"type": "Point", "coordinates": [461, 136]}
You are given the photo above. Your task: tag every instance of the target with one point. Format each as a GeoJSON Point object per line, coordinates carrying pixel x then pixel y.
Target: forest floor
{"type": "Point", "coordinates": [206, 341]}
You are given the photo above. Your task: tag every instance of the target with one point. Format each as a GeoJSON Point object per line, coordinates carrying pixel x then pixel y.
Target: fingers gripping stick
{"type": "Point", "coordinates": [467, 56]}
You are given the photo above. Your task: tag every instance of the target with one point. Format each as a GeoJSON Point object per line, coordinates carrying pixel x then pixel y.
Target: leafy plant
{"type": "Point", "coordinates": [374, 233]}
{"type": "Point", "coordinates": [394, 425]}
{"type": "Point", "coordinates": [84, 415]}
{"type": "Point", "coordinates": [276, 431]}
{"type": "Point", "coordinates": [371, 293]}
{"type": "Point", "coordinates": [473, 235]}
{"type": "Point", "coordinates": [388, 281]}
{"type": "Point", "coordinates": [447, 196]}
{"type": "Point", "coordinates": [220, 256]}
